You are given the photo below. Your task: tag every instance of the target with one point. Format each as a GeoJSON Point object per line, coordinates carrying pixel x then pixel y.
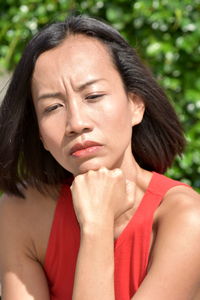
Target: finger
{"type": "Point", "coordinates": [103, 170]}
{"type": "Point", "coordinates": [117, 172]}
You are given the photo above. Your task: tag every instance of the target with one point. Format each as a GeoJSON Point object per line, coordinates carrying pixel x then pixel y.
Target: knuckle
{"type": "Point", "coordinates": [78, 178]}
{"type": "Point", "coordinates": [103, 170]}
{"type": "Point", "coordinates": [90, 172]}
{"type": "Point", "coordinates": [117, 173]}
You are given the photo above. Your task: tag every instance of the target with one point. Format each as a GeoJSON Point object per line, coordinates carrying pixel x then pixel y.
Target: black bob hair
{"type": "Point", "coordinates": [23, 159]}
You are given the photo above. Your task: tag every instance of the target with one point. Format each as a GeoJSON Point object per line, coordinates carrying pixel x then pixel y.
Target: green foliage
{"type": "Point", "coordinates": [165, 33]}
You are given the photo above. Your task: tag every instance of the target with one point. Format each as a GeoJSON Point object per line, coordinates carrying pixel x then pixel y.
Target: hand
{"type": "Point", "coordinates": [101, 196]}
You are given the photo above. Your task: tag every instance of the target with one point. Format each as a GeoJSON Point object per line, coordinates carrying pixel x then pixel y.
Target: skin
{"type": "Point", "coordinates": [103, 112]}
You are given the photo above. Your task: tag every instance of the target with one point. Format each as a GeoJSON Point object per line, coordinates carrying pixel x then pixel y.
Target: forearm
{"type": "Point", "coordinates": [94, 277]}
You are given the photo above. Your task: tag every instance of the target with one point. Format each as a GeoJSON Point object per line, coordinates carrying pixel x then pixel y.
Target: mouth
{"type": "Point", "coordinates": [85, 149]}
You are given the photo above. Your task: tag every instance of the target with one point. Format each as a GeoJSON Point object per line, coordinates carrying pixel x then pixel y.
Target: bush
{"type": "Point", "coordinates": [165, 33]}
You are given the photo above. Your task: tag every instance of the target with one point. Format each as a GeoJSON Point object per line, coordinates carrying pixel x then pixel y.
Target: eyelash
{"type": "Point", "coordinates": [92, 97]}
{"type": "Point", "coordinates": [54, 107]}
{"type": "Point", "coordinates": [51, 108]}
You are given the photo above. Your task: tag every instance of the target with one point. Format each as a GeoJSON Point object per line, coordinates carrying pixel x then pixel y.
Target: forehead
{"type": "Point", "coordinates": [77, 53]}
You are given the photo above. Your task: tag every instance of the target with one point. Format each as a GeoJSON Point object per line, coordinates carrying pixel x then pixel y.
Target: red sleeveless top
{"type": "Point", "coordinates": [131, 249]}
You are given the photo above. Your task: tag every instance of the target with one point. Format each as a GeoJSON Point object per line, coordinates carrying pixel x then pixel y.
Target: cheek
{"type": "Point", "coordinates": [116, 116]}
{"type": "Point", "coordinates": [117, 125]}
{"type": "Point", "coordinates": [52, 129]}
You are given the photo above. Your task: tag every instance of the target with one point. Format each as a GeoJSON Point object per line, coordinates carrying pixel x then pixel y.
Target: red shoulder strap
{"type": "Point", "coordinates": [152, 198]}
{"type": "Point", "coordinates": [160, 184]}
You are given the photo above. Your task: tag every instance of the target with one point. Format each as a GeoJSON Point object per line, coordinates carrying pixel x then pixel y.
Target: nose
{"type": "Point", "coordinates": [78, 120]}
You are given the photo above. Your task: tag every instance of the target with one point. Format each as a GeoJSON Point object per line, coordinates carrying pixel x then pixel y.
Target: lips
{"type": "Point", "coordinates": [85, 145]}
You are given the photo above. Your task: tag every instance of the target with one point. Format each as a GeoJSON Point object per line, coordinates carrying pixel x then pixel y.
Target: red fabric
{"type": "Point", "coordinates": [131, 247]}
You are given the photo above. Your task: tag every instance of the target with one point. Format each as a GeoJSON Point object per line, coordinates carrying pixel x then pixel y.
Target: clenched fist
{"type": "Point", "coordinates": [101, 196]}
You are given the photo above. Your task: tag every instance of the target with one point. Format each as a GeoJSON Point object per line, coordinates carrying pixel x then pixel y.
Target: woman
{"type": "Point", "coordinates": [85, 132]}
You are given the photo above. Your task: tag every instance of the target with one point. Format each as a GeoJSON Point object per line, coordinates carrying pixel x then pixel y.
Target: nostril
{"type": "Point", "coordinates": [77, 128]}
{"type": "Point", "coordinates": [83, 130]}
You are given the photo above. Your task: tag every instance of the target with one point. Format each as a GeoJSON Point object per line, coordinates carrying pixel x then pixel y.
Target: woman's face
{"type": "Point", "coordinates": [85, 116]}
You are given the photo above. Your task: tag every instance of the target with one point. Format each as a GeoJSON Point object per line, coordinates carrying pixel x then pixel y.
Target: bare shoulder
{"type": "Point", "coordinates": [11, 212]}
{"type": "Point", "coordinates": [174, 268]}
{"type": "Point", "coordinates": [177, 222]}
{"type": "Point", "coordinates": [178, 227]}
{"type": "Point", "coordinates": [21, 210]}
{"type": "Point", "coordinates": [21, 274]}
{"type": "Point", "coordinates": [181, 204]}
{"type": "Point", "coordinates": [28, 219]}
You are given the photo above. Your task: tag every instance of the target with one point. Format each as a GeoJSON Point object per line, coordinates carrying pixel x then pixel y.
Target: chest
{"type": "Point", "coordinates": [45, 222]}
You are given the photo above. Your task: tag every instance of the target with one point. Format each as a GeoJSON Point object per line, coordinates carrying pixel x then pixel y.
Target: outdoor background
{"type": "Point", "coordinates": [166, 33]}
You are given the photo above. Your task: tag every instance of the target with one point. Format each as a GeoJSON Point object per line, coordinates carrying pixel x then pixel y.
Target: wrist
{"type": "Point", "coordinates": [97, 229]}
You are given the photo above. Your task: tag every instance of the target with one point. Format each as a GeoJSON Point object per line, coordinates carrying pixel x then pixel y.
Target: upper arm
{"type": "Point", "coordinates": [175, 268]}
{"type": "Point", "coordinates": [22, 277]}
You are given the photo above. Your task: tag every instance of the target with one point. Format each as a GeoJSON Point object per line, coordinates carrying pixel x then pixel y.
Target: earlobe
{"type": "Point", "coordinates": [137, 109]}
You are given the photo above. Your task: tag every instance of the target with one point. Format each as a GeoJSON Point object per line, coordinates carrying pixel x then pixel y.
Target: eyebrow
{"type": "Point", "coordinates": [77, 89]}
{"type": "Point", "coordinates": [86, 84]}
{"type": "Point", "coordinates": [50, 95]}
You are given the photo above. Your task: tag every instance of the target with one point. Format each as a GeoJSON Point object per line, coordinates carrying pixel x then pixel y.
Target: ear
{"type": "Point", "coordinates": [137, 108]}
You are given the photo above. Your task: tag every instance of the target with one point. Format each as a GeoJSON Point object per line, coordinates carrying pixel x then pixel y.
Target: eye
{"type": "Point", "coordinates": [94, 96]}
{"type": "Point", "coordinates": [52, 107]}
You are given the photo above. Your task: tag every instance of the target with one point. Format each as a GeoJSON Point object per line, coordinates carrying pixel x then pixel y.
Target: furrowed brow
{"type": "Point", "coordinates": [78, 89]}
{"type": "Point", "coordinates": [50, 95]}
{"type": "Point", "coordinates": [86, 84]}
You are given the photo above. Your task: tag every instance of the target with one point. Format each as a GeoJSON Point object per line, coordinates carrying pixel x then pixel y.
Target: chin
{"type": "Point", "coordinates": [89, 165]}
